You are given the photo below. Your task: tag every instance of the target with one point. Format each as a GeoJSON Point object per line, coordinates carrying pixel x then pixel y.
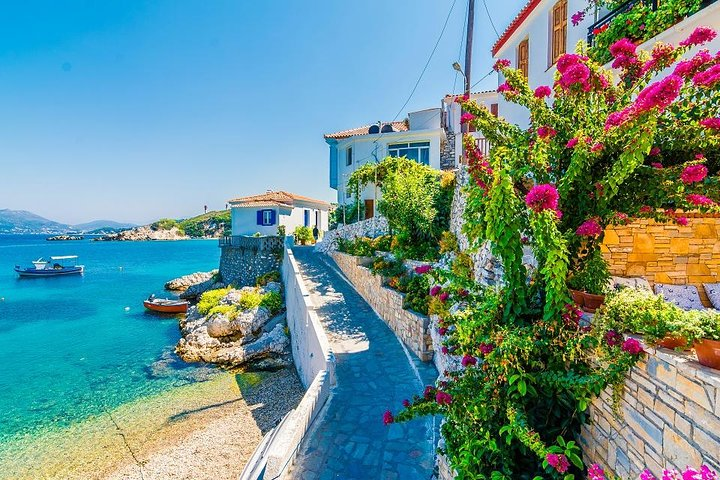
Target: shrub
{"type": "Point", "coordinates": [272, 301]}
{"type": "Point", "coordinates": [593, 277]}
{"type": "Point", "coordinates": [165, 224]}
{"type": "Point", "coordinates": [211, 299]}
{"type": "Point", "coordinates": [265, 278]}
{"type": "Point", "coordinates": [388, 267]}
{"type": "Point", "coordinates": [416, 288]}
{"type": "Point", "coordinates": [281, 231]}
{"type": "Point", "coordinates": [463, 266]}
{"type": "Point", "coordinates": [303, 235]}
{"type": "Point", "coordinates": [706, 323]}
{"type": "Point", "coordinates": [383, 243]}
{"type": "Point", "coordinates": [229, 311]}
{"type": "Point", "coordinates": [207, 224]}
{"type": "Point", "coordinates": [250, 299]}
{"type": "Point", "coordinates": [448, 242]}
{"type": "Point", "coordinates": [359, 247]}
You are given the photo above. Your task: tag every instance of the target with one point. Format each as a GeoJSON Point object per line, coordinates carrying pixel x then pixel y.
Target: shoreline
{"type": "Point", "coordinates": [204, 430]}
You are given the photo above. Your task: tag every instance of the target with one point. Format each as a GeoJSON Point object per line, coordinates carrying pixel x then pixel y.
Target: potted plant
{"type": "Point", "coordinates": [303, 235]}
{"type": "Point", "coordinates": [591, 282]}
{"type": "Point", "coordinates": [707, 346]}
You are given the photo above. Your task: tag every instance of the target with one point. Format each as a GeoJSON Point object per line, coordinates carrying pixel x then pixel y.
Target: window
{"type": "Point", "coordinates": [348, 156]}
{"type": "Point", "coordinates": [558, 25]}
{"type": "Point", "coordinates": [418, 151]}
{"type": "Point", "coordinates": [266, 217]}
{"type": "Point", "coordinates": [494, 109]}
{"type": "Point", "coordinates": [523, 57]}
{"type": "Point", "coordinates": [306, 219]}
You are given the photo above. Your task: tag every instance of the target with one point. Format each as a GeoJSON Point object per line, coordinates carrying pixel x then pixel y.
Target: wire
{"type": "Point", "coordinates": [483, 78]}
{"type": "Point", "coordinates": [490, 18]}
{"type": "Point", "coordinates": [462, 41]}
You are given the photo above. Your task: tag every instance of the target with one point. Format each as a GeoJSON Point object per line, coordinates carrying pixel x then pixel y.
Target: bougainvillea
{"type": "Point", "coordinates": [531, 364]}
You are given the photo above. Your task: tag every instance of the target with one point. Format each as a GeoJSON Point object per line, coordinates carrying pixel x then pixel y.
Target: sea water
{"type": "Point", "coordinates": [74, 347]}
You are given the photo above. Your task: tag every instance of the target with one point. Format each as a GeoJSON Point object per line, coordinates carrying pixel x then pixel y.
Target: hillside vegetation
{"type": "Point", "coordinates": [211, 224]}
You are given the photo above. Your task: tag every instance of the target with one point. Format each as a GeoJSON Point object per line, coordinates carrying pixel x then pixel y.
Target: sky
{"type": "Point", "coordinates": [137, 110]}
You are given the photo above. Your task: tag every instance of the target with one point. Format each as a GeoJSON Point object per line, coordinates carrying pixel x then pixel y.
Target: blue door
{"type": "Point", "coordinates": [307, 218]}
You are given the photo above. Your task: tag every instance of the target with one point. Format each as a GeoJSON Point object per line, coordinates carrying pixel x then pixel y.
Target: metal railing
{"type": "Point", "coordinates": [257, 243]}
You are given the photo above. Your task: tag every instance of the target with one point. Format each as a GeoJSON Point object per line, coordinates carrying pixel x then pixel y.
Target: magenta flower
{"type": "Point", "coordinates": [595, 472]}
{"type": "Point", "coordinates": [654, 151]}
{"type": "Point", "coordinates": [486, 348]}
{"type": "Point", "coordinates": [572, 143]}
{"type": "Point", "coordinates": [681, 221]}
{"type": "Point", "coordinates": [466, 117]}
{"type": "Point", "coordinates": [444, 296]}
{"type": "Point", "coordinates": [688, 68]}
{"type": "Point", "coordinates": [659, 94]}
{"type": "Point", "coordinates": [500, 64]}
{"type": "Point", "coordinates": [468, 360]}
{"type": "Point", "coordinates": [624, 53]}
{"type": "Point", "coordinates": [546, 132]}
{"type": "Point", "coordinates": [693, 173]}
{"type": "Point", "coordinates": [429, 392]}
{"type": "Point", "coordinates": [422, 269]}
{"type": "Point", "coordinates": [589, 228]}
{"type": "Point", "coordinates": [388, 417]}
{"type": "Point", "coordinates": [505, 88]}
{"type": "Point", "coordinates": [632, 346]}
{"type": "Point", "coordinates": [444, 350]}
{"type": "Point", "coordinates": [597, 147]}
{"type": "Point", "coordinates": [616, 119]}
{"type": "Point", "coordinates": [558, 461]}
{"type": "Point", "coordinates": [435, 290]}
{"type": "Point", "coordinates": [699, 36]}
{"type": "Point", "coordinates": [647, 475]}
{"type": "Point", "coordinates": [657, 165]}
{"type": "Point", "coordinates": [663, 55]}
{"type": "Point", "coordinates": [406, 403]}
{"type": "Point", "coordinates": [542, 91]}
{"type": "Point", "coordinates": [542, 197]}
{"type": "Point", "coordinates": [443, 398]}
{"type": "Point", "coordinates": [575, 74]}
{"type": "Point", "coordinates": [442, 330]}
{"type": "Point", "coordinates": [578, 17]}
{"type": "Point", "coordinates": [711, 123]}
{"type": "Point", "coordinates": [709, 78]}
{"type": "Point", "coordinates": [613, 338]}
{"type": "Point", "coordinates": [569, 59]}
{"type": "Point", "coordinates": [699, 200]}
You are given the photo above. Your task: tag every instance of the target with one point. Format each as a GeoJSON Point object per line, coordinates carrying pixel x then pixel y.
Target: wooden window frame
{"type": "Point", "coordinates": [523, 62]}
{"type": "Point", "coordinates": [558, 31]}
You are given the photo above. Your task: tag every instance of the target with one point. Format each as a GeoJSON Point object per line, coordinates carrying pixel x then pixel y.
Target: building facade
{"type": "Point", "coordinates": [264, 213]}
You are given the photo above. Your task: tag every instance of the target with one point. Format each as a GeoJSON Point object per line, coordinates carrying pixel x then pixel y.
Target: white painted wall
{"type": "Point", "coordinates": [453, 112]}
{"type": "Point", "coordinates": [244, 219]}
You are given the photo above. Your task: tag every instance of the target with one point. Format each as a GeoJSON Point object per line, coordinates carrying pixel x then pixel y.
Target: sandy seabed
{"type": "Point", "coordinates": [205, 430]}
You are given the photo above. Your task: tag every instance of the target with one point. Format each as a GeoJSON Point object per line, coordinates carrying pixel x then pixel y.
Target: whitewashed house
{"type": "Point", "coordinates": [264, 213]}
{"type": "Point", "coordinates": [543, 30]}
{"type": "Point", "coordinates": [418, 138]}
{"type": "Point", "coordinates": [452, 150]}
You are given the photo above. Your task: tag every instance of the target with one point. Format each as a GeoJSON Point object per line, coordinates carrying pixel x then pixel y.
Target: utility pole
{"type": "Point", "coordinates": [468, 65]}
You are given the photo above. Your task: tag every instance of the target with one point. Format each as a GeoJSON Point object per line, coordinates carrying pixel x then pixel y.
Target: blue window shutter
{"type": "Point", "coordinates": [307, 218]}
{"type": "Point", "coordinates": [259, 217]}
{"type": "Point", "coordinates": [273, 217]}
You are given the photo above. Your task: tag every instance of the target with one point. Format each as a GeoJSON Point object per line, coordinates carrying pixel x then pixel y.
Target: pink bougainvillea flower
{"type": "Point", "coordinates": [597, 147]}
{"type": "Point", "coordinates": [589, 228]}
{"type": "Point", "coordinates": [671, 474]}
{"type": "Point", "coordinates": [621, 218]}
{"type": "Point", "coordinates": [624, 53]}
{"type": "Point", "coordinates": [616, 119]}
{"type": "Point", "coordinates": [613, 338]}
{"type": "Point", "coordinates": [659, 94]}
{"type": "Point", "coordinates": [699, 36]}
{"type": "Point", "coordinates": [442, 330]}
{"type": "Point", "coordinates": [435, 290]}
{"type": "Point", "coordinates": [574, 75]}
{"type": "Point", "coordinates": [429, 392]}
{"type": "Point", "coordinates": [486, 348]}
{"type": "Point", "coordinates": [688, 68]}
{"type": "Point", "coordinates": [468, 360]}
{"type": "Point", "coordinates": [647, 475]}
{"type": "Point", "coordinates": [443, 398]}
{"type": "Point", "coordinates": [506, 88]}
{"type": "Point", "coordinates": [683, 221]}
{"type": "Point", "coordinates": [542, 91]}
{"type": "Point", "coordinates": [693, 173]}
{"type": "Point", "coordinates": [388, 417]}
{"type": "Point", "coordinates": [697, 199]}
{"type": "Point", "coordinates": [645, 209]}
{"type": "Point", "coordinates": [654, 151]}
{"type": "Point", "coordinates": [569, 59]}
{"type": "Point", "coordinates": [657, 165]}
{"type": "Point", "coordinates": [463, 293]}
{"type": "Point", "coordinates": [406, 403]}
{"type": "Point", "coordinates": [500, 64]}
{"type": "Point", "coordinates": [558, 461]}
{"type": "Point", "coordinates": [546, 132]}
{"type": "Point", "coordinates": [466, 117]}
{"type": "Point", "coordinates": [632, 346]}
{"type": "Point", "coordinates": [444, 296]}
{"type": "Point", "coordinates": [542, 197]}
{"type": "Point", "coordinates": [708, 78]}
{"type": "Point", "coordinates": [711, 123]}
{"type": "Point", "coordinates": [422, 269]}
{"type": "Point", "coordinates": [595, 472]}
{"type": "Point", "coordinates": [572, 143]}
{"type": "Point", "coordinates": [663, 55]}
{"type": "Point", "coordinates": [707, 474]}
{"type": "Point", "coordinates": [577, 17]}
{"type": "Point", "coordinates": [445, 350]}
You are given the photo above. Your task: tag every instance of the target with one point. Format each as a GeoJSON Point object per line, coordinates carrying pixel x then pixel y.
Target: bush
{"type": "Point", "coordinates": [272, 301]}
{"type": "Point", "coordinates": [165, 224]}
{"type": "Point", "coordinates": [416, 289]}
{"type": "Point", "coordinates": [593, 277]}
{"type": "Point", "coordinates": [207, 224]}
{"type": "Point", "coordinates": [359, 247]}
{"type": "Point", "coordinates": [229, 311]}
{"type": "Point", "coordinates": [250, 299]}
{"type": "Point", "coordinates": [303, 235]}
{"type": "Point", "coordinates": [463, 266]}
{"type": "Point", "coordinates": [448, 242]}
{"type": "Point", "coordinates": [281, 231]}
{"type": "Point", "coordinates": [265, 278]}
{"type": "Point", "coordinates": [388, 267]}
{"type": "Point", "coordinates": [383, 243]}
{"type": "Point", "coordinates": [211, 299]}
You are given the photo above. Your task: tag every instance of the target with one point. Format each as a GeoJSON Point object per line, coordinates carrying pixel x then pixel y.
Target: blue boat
{"type": "Point", "coordinates": [65, 265]}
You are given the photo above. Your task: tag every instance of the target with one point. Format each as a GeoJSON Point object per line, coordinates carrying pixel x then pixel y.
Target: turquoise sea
{"type": "Point", "coordinates": [74, 347]}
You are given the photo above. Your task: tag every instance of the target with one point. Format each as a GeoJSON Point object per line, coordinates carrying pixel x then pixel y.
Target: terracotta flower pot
{"type": "Point", "coordinates": [592, 302]}
{"type": "Point", "coordinates": [708, 353]}
{"type": "Point", "coordinates": [578, 297]}
{"type": "Point", "coordinates": [673, 342]}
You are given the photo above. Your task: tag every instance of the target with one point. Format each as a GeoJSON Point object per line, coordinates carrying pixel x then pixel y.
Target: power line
{"type": "Point", "coordinates": [462, 41]}
{"type": "Point", "coordinates": [487, 11]}
{"type": "Point", "coordinates": [483, 78]}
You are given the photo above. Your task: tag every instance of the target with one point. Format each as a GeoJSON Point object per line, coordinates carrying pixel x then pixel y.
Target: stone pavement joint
{"type": "Point", "coordinates": [349, 440]}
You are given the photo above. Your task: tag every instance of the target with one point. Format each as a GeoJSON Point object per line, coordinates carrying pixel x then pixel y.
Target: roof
{"type": "Point", "coordinates": [486, 92]}
{"type": "Point", "coordinates": [515, 24]}
{"type": "Point", "coordinates": [353, 132]}
{"type": "Point", "coordinates": [274, 199]}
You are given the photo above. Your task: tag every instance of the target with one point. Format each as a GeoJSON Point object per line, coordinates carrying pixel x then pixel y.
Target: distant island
{"type": "Point", "coordinates": [24, 222]}
{"type": "Point", "coordinates": [208, 225]}
{"type": "Point", "coordinates": [63, 238]}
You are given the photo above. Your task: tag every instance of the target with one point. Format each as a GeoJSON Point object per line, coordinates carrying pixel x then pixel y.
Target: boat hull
{"type": "Point", "coordinates": [180, 307]}
{"type": "Point", "coordinates": [50, 272]}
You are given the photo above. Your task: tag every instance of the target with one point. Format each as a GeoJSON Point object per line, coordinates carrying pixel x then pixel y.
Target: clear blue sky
{"type": "Point", "coordinates": [135, 110]}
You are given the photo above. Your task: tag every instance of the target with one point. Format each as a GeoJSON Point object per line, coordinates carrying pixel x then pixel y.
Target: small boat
{"type": "Point", "coordinates": [65, 265]}
{"type": "Point", "coordinates": [166, 305]}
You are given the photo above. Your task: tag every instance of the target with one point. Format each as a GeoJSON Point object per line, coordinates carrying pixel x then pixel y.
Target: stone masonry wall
{"type": "Point", "coordinates": [670, 418]}
{"type": "Point", "coordinates": [667, 253]}
{"type": "Point", "coordinates": [243, 259]}
{"type": "Point", "coordinates": [411, 328]}
{"type": "Point", "coordinates": [371, 227]}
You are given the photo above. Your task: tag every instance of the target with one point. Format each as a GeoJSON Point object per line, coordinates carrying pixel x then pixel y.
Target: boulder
{"type": "Point", "coordinates": [244, 325]}
{"type": "Point", "coordinates": [186, 281]}
{"type": "Point", "coordinates": [194, 291]}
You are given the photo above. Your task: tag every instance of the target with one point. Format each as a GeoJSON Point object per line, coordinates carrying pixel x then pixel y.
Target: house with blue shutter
{"type": "Point", "coordinates": [264, 213]}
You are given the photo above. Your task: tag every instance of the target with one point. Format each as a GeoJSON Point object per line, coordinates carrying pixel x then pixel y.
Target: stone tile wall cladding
{"type": "Point", "coordinates": [670, 418]}
{"type": "Point", "coordinates": [667, 253]}
{"type": "Point", "coordinates": [243, 259]}
{"type": "Point", "coordinates": [371, 227]}
{"type": "Point", "coordinates": [447, 151]}
{"type": "Point", "coordinates": [413, 329]}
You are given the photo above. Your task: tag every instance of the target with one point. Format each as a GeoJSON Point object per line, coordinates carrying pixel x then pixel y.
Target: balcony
{"type": "Point", "coordinates": [652, 5]}
{"type": "Point", "coordinates": [272, 243]}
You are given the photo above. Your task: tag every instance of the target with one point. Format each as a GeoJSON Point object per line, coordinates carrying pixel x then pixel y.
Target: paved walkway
{"type": "Point", "coordinates": [349, 440]}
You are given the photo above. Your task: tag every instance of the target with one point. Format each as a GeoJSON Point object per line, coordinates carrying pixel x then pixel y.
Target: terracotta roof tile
{"type": "Point", "coordinates": [515, 24]}
{"type": "Point", "coordinates": [353, 132]}
{"type": "Point", "coordinates": [274, 199]}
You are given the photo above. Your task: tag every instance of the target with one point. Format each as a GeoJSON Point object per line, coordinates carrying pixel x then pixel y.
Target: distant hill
{"type": "Point", "coordinates": [21, 221]}
{"type": "Point", "coordinates": [211, 224]}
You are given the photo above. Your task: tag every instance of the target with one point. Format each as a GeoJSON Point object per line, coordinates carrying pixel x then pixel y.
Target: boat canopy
{"type": "Point", "coordinates": [66, 257]}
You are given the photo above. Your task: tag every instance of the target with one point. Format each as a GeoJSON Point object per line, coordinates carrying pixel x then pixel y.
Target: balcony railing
{"type": "Point", "coordinates": [626, 6]}
{"type": "Point", "coordinates": [248, 242]}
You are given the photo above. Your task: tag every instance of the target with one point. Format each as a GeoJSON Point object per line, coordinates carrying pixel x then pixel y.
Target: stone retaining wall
{"type": "Point", "coordinates": [670, 418]}
{"type": "Point", "coordinates": [667, 253]}
{"type": "Point", "coordinates": [413, 329]}
{"type": "Point", "coordinates": [243, 259]}
{"type": "Point", "coordinates": [372, 228]}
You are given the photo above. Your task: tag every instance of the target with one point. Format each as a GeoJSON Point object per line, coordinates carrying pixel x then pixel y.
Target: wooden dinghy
{"type": "Point", "coordinates": [166, 305]}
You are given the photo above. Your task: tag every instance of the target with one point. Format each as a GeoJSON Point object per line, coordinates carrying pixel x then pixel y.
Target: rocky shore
{"type": "Point", "coordinates": [143, 233]}
{"type": "Point", "coordinates": [186, 281]}
{"type": "Point", "coordinates": [61, 238]}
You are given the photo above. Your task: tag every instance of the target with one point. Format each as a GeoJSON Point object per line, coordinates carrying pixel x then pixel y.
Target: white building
{"type": "Point", "coordinates": [543, 31]}
{"type": "Point", "coordinates": [452, 150]}
{"type": "Point", "coordinates": [266, 212]}
{"type": "Point", "coordinates": [418, 138]}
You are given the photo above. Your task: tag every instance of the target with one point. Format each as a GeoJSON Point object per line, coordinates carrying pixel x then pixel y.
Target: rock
{"type": "Point", "coordinates": [58, 238]}
{"type": "Point", "coordinates": [186, 281]}
{"type": "Point", "coordinates": [244, 325]}
{"type": "Point", "coordinates": [272, 287]}
{"type": "Point", "coordinates": [143, 233]}
{"type": "Point", "coordinates": [194, 291]}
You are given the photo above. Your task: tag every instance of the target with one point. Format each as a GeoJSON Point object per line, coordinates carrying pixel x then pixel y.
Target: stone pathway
{"type": "Point", "coordinates": [349, 440]}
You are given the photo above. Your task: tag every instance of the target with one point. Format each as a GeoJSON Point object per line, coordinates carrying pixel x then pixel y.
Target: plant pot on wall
{"type": "Point", "coordinates": [708, 353]}
{"type": "Point", "coordinates": [578, 297]}
{"type": "Point", "coordinates": [672, 342]}
{"type": "Point", "coordinates": [592, 302]}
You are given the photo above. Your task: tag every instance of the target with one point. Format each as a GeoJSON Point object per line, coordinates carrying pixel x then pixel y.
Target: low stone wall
{"type": "Point", "coordinates": [243, 259]}
{"type": "Point", "coordinates": [372, 228]}
{"type": "Point", "coordinates": [670, 418]}
{"type": "Point", "coordinates": [413, 329]}
{"type": "Point", "coordinates": [667, 253]}
{"type": "Point", "coordinates": [315, 364]}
